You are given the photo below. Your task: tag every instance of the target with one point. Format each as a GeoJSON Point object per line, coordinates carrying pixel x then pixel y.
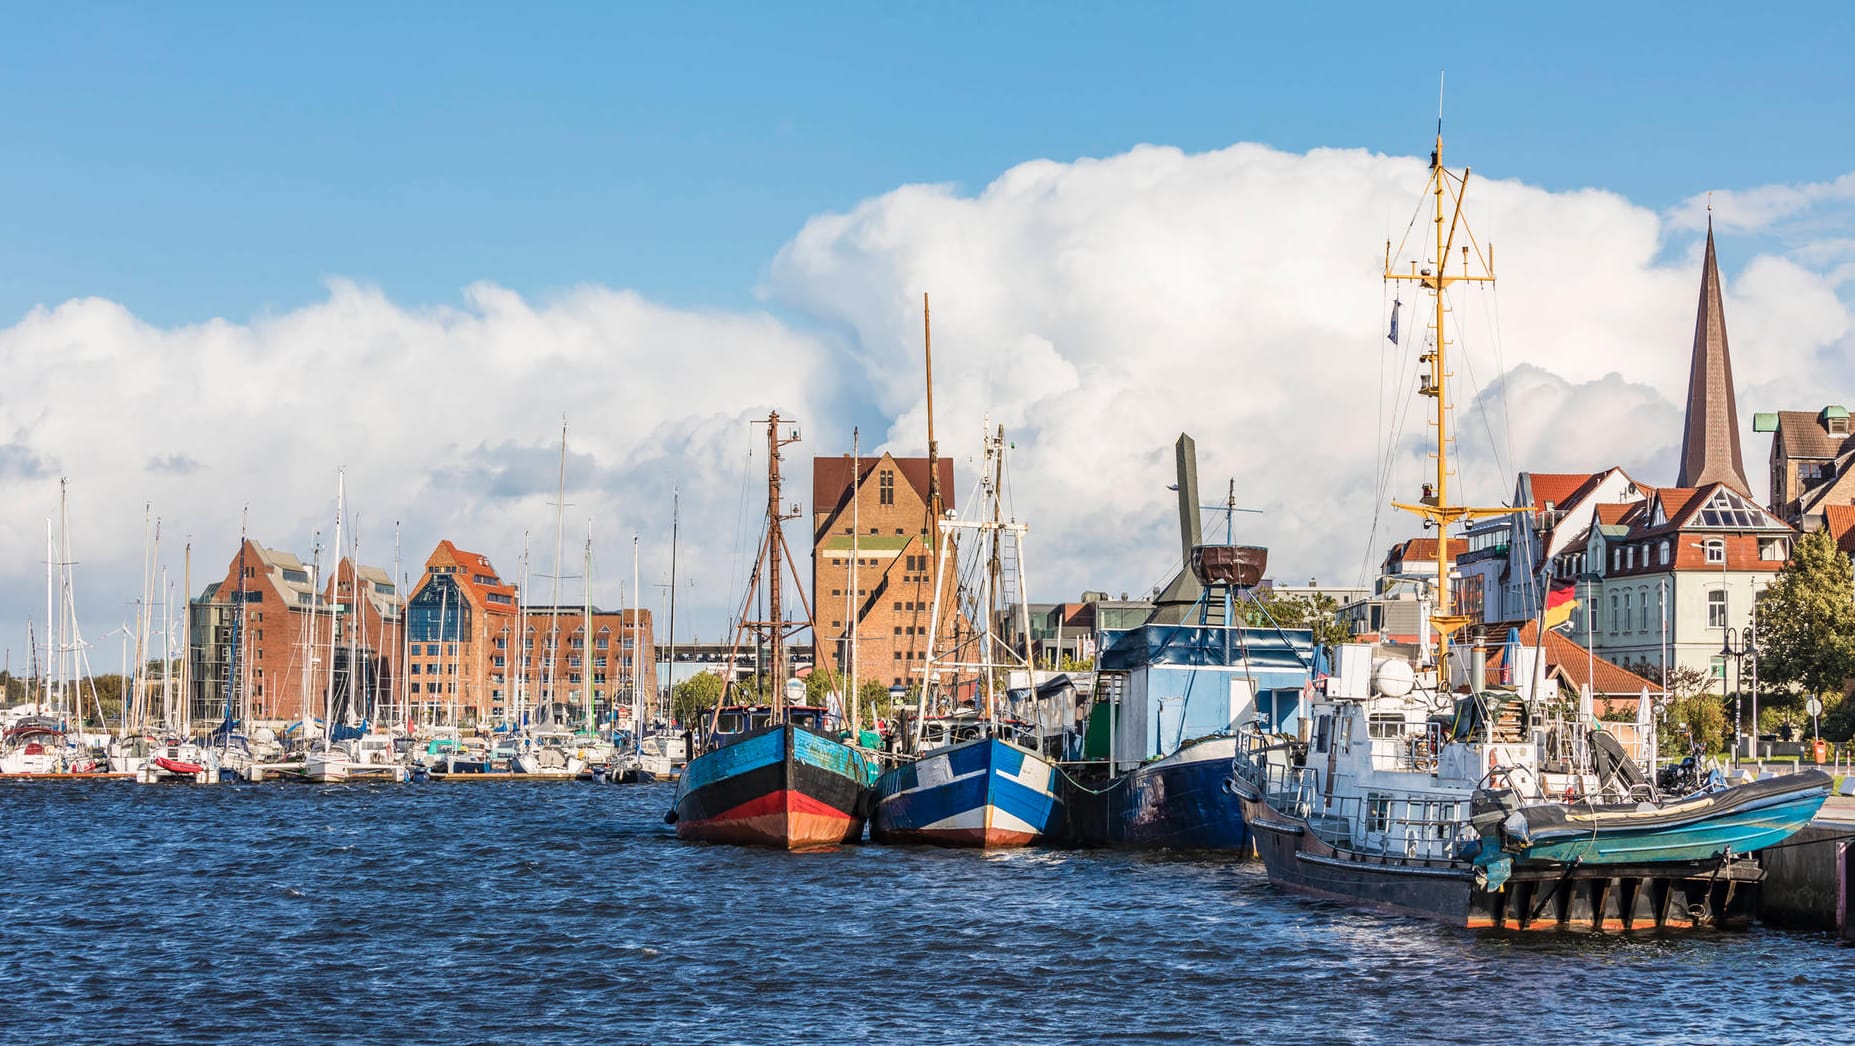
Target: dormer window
{"type": "Point", "coordinates": [1662, 555]}
{"type": "Point", "coordinates": [1715, 549]}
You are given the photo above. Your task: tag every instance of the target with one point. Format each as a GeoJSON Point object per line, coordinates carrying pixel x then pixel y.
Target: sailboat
{"type": "Point", "coordinates": [984, 776]}
{"type": "Point", "coordinates": [661, 754]}
{"type": "Point", "coordinates": [773, 774]}
{"type": "Point", "coordinates": [1490, 809]}
{"type": "Point", "coordinates": [53, 740]}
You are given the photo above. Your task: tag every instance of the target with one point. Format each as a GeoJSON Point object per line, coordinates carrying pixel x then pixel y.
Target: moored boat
{"type": "Point", "coordinates": [1497, 808]}
{"type": "Point", "coordinates": [783, 784]}
{"type": "Point", "coordinates": [980, 771]}
{"type": "Point", "coordinates": [772, 775]}
{"type": "Point", "coordinates": [986, 792]}
{"type": "Point", "coordinates": [1169, 695]}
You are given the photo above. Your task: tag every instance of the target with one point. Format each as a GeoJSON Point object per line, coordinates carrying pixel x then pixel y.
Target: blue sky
{"type": "Point", "coordinates": [202, 160]}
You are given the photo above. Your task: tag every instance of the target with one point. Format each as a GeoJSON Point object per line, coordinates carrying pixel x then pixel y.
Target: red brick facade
{"type": "Point", "coordinates": [895, 567]}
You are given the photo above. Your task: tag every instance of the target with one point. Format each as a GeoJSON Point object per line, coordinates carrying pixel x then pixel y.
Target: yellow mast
{"type": "Point", "coordinates": [1434, 506]}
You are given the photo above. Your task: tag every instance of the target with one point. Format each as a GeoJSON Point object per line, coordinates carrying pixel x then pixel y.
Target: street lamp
{"type": "Point", "coordinates": [1747, 646]}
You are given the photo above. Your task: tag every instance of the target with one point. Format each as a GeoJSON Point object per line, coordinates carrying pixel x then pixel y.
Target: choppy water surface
{"type": "Point", "coordinates": [540, 913]}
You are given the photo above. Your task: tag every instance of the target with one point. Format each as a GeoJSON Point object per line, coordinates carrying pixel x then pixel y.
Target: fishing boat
{"type": "Point", "coordinates": [773, 774]}
{"type": "Point", "coordinates": [1169, 696]}
{"type": "Point", "coordinates": [1388, 805]}
{"type": "Point", "coordinates": [1495, 807]}
{"type": "Point", "coordinates": [982, 771]}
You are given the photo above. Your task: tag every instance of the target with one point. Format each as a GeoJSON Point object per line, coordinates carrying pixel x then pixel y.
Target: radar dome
{"type": "Point", "coordinates": [1394, 677]}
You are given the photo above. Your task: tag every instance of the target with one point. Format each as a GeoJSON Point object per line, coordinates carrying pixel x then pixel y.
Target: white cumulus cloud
{"type": "Point", "coordinates": [1095, 308]}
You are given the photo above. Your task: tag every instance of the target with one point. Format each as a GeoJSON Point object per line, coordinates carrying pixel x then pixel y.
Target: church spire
{"type": "Point", "coordinates": [1710, 440]}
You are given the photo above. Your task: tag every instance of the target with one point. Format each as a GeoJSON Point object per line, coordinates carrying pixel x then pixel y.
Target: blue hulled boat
{"type": "Point", "coordinates": [985, 792]}
{"type": "Point", "coordinates": [981, 767]}
{"type": "Point", "coordinates": [1742, 819]}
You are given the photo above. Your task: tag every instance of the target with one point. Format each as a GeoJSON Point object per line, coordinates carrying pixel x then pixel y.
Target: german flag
{"type": "Point", "coordinates": [1561, 600]}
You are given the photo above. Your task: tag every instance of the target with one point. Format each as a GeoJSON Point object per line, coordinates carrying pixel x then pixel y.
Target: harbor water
{"type": "Point", "coordinates": [465, 913]}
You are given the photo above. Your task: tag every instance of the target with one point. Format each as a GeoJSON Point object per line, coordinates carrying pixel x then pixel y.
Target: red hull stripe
{"type": "Point", "coordinates": [780, 802]}
{"type": "Point", "coordinates": [784, 818]}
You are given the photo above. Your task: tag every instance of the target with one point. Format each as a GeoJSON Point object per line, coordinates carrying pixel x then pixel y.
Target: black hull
{"type": "Point", "coordinates": [779, 786]}
{"type": "Point", "coordinates": [1177, 803]}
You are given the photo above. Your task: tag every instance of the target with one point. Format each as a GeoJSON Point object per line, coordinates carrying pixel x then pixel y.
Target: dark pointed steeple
{"type": "Point", "coordinates": [1710, 440]}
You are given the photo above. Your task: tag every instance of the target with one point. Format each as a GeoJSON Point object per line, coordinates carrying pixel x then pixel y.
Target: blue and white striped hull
{"type": "Point", "coordinates": [983, 793]}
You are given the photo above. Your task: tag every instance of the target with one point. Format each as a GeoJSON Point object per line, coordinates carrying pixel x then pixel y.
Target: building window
{"type": "Point", "coordinates": [415, 668]}
{"type": "Point", "coordinates": [1626, 612]}
{"type": "Point", "coordinates": [1642, 614]}
{"type": "Point", "coordinates": [1662, 556]}
{"type": "Point", "coordinates": [1771, 549]}
{"type": "Point", "coordinates": [1716, 551]}
{"type": "Point", "coordinates": [885, 488]}
{"type": "Point", "coordinates": [1613, 612]}
{"type": "Point", "coordinates": [1716, 609]}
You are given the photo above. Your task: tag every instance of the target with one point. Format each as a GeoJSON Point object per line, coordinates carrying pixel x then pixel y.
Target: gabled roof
{"type": "Point", "coordinates": [1558, 487]}
{"type": "Point", "coordinates": [831, 479]}
{"type": "Point", "coordinates": [1618, 513]}
{"type": "Point", "coordinates": [470, 567]}
{"type": "Point", "coordinates": [1801, 434]}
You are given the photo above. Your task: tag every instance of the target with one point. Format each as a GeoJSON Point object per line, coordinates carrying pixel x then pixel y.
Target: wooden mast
{"type": "Point", "coordinates": [933, 450]}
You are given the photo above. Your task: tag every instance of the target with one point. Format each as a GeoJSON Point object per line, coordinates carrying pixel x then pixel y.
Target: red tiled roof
{"type": "Point", "coordinates": [1840, 522]}
{"type": "Point", "coordinates": [1612, 514]}
{"type": "Point", "coordinates": [1576, 664]}
{"type": "Point", "coordinates": [1557, 487]}
{"type": "Point", "coordinates": [1422, 550]}
{"type": "Point", "coordinates": [471, 565]}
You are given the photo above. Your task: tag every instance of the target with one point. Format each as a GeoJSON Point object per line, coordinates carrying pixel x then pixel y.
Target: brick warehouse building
{"type": "Point", "coordinates": [457, 614]}
{"type": "Point", "coordinates": [282, 640]}
{"type": "Point", "coordinates": [620, 655]}
{"type": "Point", "coordinates": [895, 567]}
{"type": "Point", "coordinates": [462, 623]}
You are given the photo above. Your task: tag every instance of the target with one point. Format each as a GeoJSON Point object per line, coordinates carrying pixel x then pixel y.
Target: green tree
{"type": "Point", "coordinates": [1806, 622]}
{"type": "Point", "coordinates": [695, 697]}
{"type": "Point", "coordinates": [1691, 709]}
{"type": "Point", "coordinates": [1315, 611]}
